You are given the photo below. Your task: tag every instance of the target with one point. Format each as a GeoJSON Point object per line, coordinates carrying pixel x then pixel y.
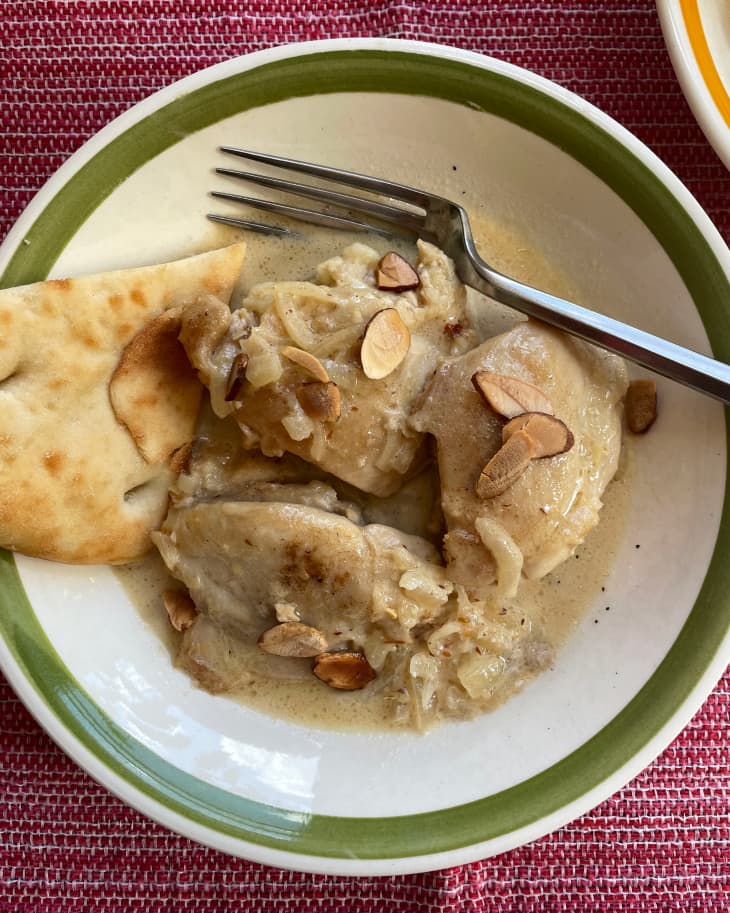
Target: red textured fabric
{"type": "Point", "coordinates": [661, 844]}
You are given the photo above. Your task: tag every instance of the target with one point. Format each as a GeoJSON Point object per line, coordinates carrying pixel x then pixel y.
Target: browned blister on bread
{"type": "Point", "coordinates": [155, 391]}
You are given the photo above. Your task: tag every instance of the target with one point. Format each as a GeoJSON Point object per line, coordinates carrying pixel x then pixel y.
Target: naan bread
{"type": "Point", "coordinates": [78, 483]}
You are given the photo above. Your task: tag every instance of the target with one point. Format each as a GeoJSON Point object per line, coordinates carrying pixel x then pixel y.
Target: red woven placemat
{"type": "Point", "coordinates": [661, 844]}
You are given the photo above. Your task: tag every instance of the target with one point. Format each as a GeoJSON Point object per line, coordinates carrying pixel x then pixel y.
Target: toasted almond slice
{"type": "Point", "coordinates": [385, 344]}
{"type": "Point", "coordinates": [321, 402]}
{"type": "Point", "coordinates": [510, 396]}
{"type": "Point", "coordinates": [307, 361]}
{"type": "Point", "coordinates": [550, 435]}
{"type": "Point", "coordinates": [506, 466]}
{"type": "Point", "coordinates": [345, 671]}
{"type": "Point", "coordinates": [292, 638]}
{"type": "Point", "coordinates": [180, 609]}
{"type": "Point", "coordinates": [394, 274]}
{"type": "Point", "coordinates": [236, 377]}
{"type": "Point", "coordinates": [641, 405]}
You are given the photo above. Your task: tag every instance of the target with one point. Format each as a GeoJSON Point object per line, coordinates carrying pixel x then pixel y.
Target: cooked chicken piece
{"type": "Point", "coordinates": [239, 558]}
{"type": "Point", "coordinates": [549, 510]}
{"type": "Point", "coordinates": [371, 445]}
{"type": "Point", "coordinates": [220, 661]}
{"type": "Point", "coordinates": [218, 466]}
{"type": "Point", "coordinates": [212, 656]}
{"type": "Point", "coordinates": [249, 564]}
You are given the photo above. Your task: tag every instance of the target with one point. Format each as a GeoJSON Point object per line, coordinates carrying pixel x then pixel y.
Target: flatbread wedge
{"type": "Point", "coordinates": [82, 480]}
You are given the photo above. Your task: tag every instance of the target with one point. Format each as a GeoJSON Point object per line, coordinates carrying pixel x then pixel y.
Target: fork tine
{"type": "Point", "coordinates": [351, 178]}
{"type": "Point", "coordinates": [394, 214]}
{"type": "Point", "coordinates": [260, 227]}
{"type": "Point", "coordinates": [303, 215]}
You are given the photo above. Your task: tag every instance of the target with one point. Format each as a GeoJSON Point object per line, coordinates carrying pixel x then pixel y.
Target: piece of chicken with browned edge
{"type": "Point", "coordinates": [540, 519]}
{"type": "Point", "coordinates": [294, 337]}
{"type": "Point", "coordinates": [262, 543]}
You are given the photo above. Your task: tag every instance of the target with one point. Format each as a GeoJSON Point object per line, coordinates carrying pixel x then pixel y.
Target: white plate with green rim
{"type": "Point", "coordinates": [634, 242]}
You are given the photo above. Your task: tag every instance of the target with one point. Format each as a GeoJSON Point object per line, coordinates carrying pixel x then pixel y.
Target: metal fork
{"type": "Point", "coordinates": [446, 224]}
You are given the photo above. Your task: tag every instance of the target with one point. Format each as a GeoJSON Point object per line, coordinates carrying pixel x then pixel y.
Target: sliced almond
{"type": "Point", "coordinates": [385, 344]}
{"type": "Point", "coordinates": [550, 435]}
{"type": "Point", "coordinates": [321, 402]}
{"type": "Point", "coordinates": [510, 396]}
{"type": "Point", "coordinates": [236, 377]}
{"type": "Point", "coordinates": [345, 671]}
{"type": "Point", "coordinates": [641, 405]}
{"type": "Point", "coordinates": [180, 609]}
{"type": "Point", "coordinates": [395, 274]}
{"type": "Point", "coordinates": [506, 466]}
{"type": "Point", "coordinates": [306, 360]}
{"type": "Point", "coordinates": [292, 638]}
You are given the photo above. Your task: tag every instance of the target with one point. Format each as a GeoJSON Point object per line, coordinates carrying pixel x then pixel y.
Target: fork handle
{"type": "Point", "coordinates": [676, 362]}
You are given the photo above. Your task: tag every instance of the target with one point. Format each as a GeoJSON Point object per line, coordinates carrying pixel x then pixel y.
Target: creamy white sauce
{"type": "Point", "coordinates": [554, 605]}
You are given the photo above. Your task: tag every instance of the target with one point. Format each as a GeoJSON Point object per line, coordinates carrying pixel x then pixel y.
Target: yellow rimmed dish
{"type": "Point", "coordinates": [697, 33]}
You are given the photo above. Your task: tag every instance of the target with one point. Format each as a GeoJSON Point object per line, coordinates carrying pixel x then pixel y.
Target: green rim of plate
{"type": "Point", "coordinates": [618, 742]}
